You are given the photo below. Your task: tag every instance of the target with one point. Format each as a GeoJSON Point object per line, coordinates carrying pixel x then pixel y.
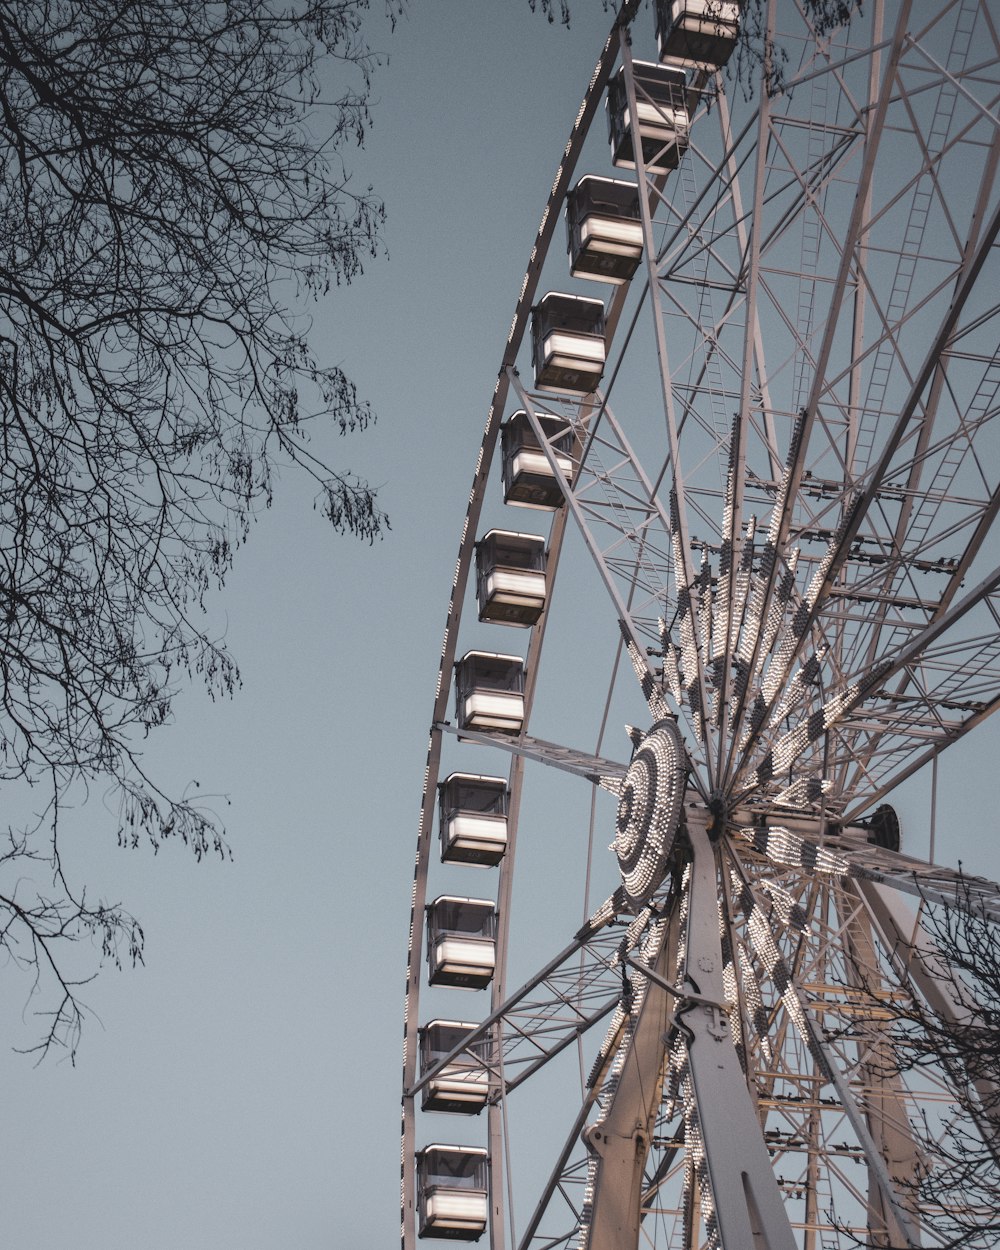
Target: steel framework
{"type": "Point", "coordinates": [798, 557]}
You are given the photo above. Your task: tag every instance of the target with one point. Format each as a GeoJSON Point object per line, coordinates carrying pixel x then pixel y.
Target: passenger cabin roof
{"type": "Point", "coordinates": [596, 193]}
{"type": "Point", "coordinates": [491, 657]}
{"type": "Point", "coordinates": [484, 904]}
{"type": "Point", "coordinates": [556, 301]}
{"type": "Point", "coordinates": [473, 778]}
{"type": "Point", "coordinates": [534, 539]}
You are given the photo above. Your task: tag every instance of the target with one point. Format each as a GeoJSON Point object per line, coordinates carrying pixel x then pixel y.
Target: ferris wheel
{"type": "Point", "coordinates": [760, 410]}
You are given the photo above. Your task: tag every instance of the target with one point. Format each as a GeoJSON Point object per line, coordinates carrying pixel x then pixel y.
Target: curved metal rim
{"type": "Point", "coordinates": [519, 324]}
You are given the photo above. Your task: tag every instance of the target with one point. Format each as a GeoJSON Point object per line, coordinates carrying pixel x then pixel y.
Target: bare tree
{"type": "Point", "coordinates": [957, 1031]}
{"type": "Point", "coordinates": [950, 1026]}
{"type": "Point", "coordinates": [172, 189]}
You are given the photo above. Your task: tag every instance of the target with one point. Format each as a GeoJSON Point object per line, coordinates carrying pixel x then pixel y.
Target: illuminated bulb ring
{"type": "Point", "coordinates": [649, 809]}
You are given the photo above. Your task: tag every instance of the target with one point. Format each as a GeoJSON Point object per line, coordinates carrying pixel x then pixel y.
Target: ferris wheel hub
{"type": "Point", "coordinates": [719, 813]}
{"type": "Point", "coordinates": [649, 810]}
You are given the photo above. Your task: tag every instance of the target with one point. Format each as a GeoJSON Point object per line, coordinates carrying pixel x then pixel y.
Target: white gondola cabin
{"type": "Point", "coordinates": [567, 342]}
{"type": "Point", "coordinates": [661, 102]}
{"type": "Point", "coordinates": [461, 942]}
{"type": "Point", "coordinates": [461, 1086]}
{"type": "Point", "coordinates": [529, 480]}
{"type": "Point", "coordinates": [452, 1199]}
{"type": "Point", "coordinates": [472, 817]}
{"type": "Point", "coordinates": [604, 229]}
{"type": "Point", "coordinates": [510, 577]}
{"type": "Point", "coordinates": [697, 32]}
{"type": "Point", "coordinates": [489, 692]}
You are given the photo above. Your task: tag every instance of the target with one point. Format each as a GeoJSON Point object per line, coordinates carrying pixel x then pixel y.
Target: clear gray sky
{"type": "Point", "coordinates": [242, 1091]}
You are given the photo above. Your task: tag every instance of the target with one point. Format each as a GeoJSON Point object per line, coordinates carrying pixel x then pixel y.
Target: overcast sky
{"type": "Point", "coordinates": [241, 1092]}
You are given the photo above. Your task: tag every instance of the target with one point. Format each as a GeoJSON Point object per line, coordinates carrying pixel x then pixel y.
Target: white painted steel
{"type": "Point", "coordinates": [535, 462]}
{"type": "Point", "coordinates": [460, 956]}
{"type": "Point", "coordinates": [565, 348]}
{"type": "Point", "coordinates": [623, 238]}
{"type": "Point", "coordinates": [470, 832]}
{"type": "Point", "coordinates": [657, 121]}
{"type": "Point", "coordinates": [516, 586]}
{"type": "Point", "coordinates": [493, 709]}
{"type": "Point", "coordinates": [720, 12]}
{"type": "Point", "coordinates": [460, 1084]}
{"type": "Point", "coordinates": [455, 1209]}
